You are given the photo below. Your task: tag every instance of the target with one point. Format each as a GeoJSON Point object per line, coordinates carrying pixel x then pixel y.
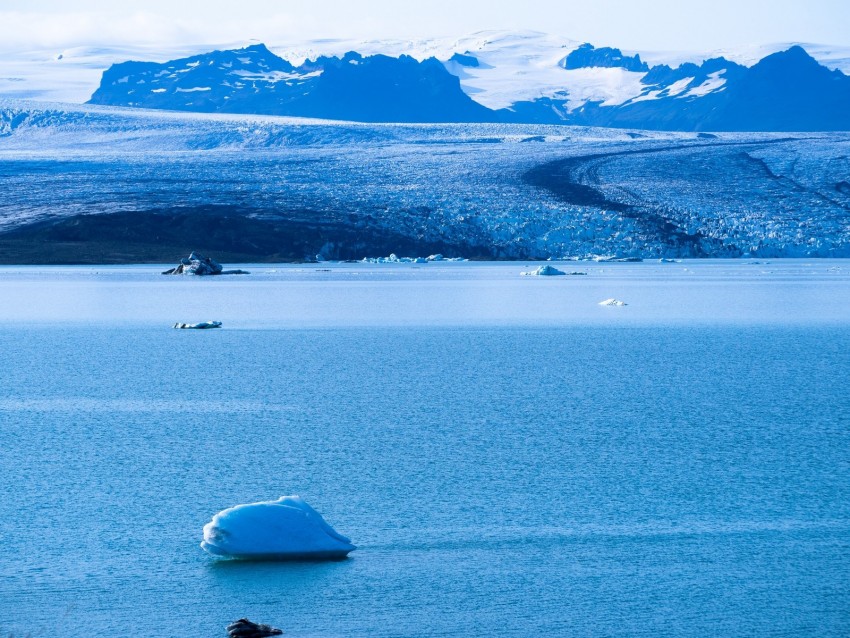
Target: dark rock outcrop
{"type": "Point", "coordinates": [587, 56]}
{"type": "Point", "coordinates": [196, 264]}
{"type": "Point", "coordinates": [244, 628]}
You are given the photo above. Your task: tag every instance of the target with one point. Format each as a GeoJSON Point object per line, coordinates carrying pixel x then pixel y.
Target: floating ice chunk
{"type": "Point", "coordinates": [615, 259]}
{"type": "Point", "coordinates": [285, 529]}
{"type": "Point", "coordinates": [395, 259]}
{"type": "Point", "coordinates": [613, 302]}
{"type": "Point", "coordinates": [204, 325]}
{"type": "Point", "coordinates": [544, 271]}
{"type": "Point", "coordinates": [197, 264]}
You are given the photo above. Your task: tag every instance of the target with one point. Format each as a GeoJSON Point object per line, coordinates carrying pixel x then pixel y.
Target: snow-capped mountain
{"type": "Point", "coordinates": [496, 77]}
{"type": "Point", "coordinates": [786, 91]}
{"type": "Point", "coordinates": [493, 75]}
{"type": "Point", "coordinates": [377, 88]}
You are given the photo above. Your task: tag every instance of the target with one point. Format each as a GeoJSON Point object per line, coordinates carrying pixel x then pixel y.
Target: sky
{"type": "Point", "coordinates": [650, 25]}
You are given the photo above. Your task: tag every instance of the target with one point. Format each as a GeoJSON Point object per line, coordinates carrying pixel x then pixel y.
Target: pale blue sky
{"type": "Point", "coordinates": [629, 24]}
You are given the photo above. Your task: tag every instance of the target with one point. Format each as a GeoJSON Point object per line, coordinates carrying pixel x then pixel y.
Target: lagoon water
{"type": "Point", "coordinates": [510, 457]}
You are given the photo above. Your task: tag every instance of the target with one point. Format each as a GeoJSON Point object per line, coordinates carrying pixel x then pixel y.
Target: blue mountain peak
{"type": "Point", "coordinates": [587, 56]}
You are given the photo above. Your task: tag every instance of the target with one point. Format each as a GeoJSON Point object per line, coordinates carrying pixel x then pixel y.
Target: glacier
{"type": "Point", "coordinates": [91, 182]}
{"type": "Point", "coordinates": [285, 529]}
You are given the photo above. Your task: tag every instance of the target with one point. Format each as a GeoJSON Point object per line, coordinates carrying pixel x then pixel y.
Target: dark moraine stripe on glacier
{"type": "Point", "coordinates": [575, 180]}
{"type": "Point", "coordinates": [230, 233]}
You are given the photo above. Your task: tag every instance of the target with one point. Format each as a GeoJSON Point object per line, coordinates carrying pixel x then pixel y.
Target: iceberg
{"type": "Point", "coordinates": [613, 302]}
{"type": "Point", "coordinates": [544, 271]}
{"type": "Point", "coordinates": [285, 529]}
{"type": "Point", "coordinates": [197, 264]}
{"type": "Point", "coordinates": [614, 259]}
{"type": "Point", "coordinates": [203, 325]}
{"type": "Point", "coordinates": [395, 259]}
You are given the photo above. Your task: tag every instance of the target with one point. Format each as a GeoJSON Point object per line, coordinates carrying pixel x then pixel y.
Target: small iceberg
{"type": "Point", "coordinates": [285, 529]}
{"type": "Point", "coordinates": [615, 259]}
{"type": "Point", "coordinates": [395, 259]}
{"type": "Point", "coordinates": [544, 271]}
{"type": "Point", "coordinates": [204, 325]}
{"type": "Point", "coordinates": [613, 302]}
{"type": "Point", "coordinates": [197, 264]}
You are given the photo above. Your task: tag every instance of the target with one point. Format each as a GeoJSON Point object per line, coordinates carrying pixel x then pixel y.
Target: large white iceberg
{"type": "Point", "coordinates": [613, 302]}
{"type": "Point", "coordinates": [285, 529]}
{"type": "Point", "coordinates": [544, 271]}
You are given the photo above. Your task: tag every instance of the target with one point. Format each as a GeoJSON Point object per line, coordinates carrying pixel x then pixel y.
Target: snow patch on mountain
{"type": "Point", "coordinates": [714, 83]}
{"type": "Point", "coordinates": [607, 86]}
{"type": "Point", "coordinates": [516, 67]}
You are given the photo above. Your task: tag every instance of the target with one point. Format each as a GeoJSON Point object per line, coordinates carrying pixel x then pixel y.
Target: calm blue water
{"type": "Point", "coordinates": [657, 473]}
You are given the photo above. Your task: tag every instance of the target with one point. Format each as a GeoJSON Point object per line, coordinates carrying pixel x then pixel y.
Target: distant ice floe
{"type": "Point", "coordinates": [613, 302]}
{"type": "Point", "coordinates": [203, 325]}
{"type": "Point", "coordinates": [549, 271]}
{"type": "Point", "coordinates": [285, 529]}
{"type": "Point", "coordinates": [614, 259]}
{"type": "Point", "coordinates": [394, 259]}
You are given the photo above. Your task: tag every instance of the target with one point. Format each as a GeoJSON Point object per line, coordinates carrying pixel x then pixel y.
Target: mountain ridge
{"type": "Point", "coordinates": [584, 85]}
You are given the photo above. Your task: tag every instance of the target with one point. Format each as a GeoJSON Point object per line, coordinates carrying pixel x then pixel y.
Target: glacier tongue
{"type": "Point", "coordinates": [289, 188]}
